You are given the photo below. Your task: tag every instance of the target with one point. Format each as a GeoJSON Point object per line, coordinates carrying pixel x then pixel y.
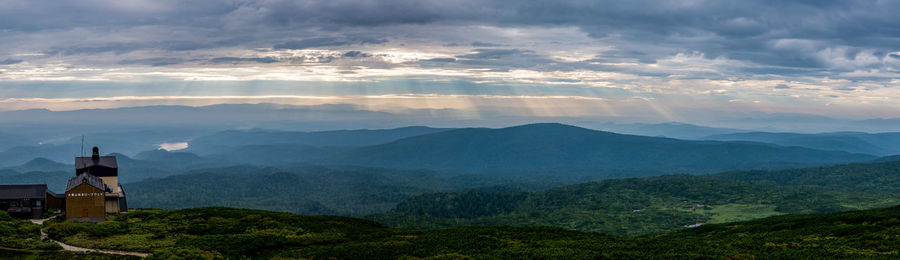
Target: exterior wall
{"type": "Point", "coordinates": [85, 201]}
{"type": "Point", "coordinates": [54, 203]}
{"type": "Point", "coordinates": [112, 205]}
{"type": "Point", "coordinates": [23, 208]}
{"type": "Point", "coordinates": [111, 182]}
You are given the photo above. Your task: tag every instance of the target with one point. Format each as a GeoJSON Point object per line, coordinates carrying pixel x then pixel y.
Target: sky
{"type": "Point", "coordinates": [688, 61]}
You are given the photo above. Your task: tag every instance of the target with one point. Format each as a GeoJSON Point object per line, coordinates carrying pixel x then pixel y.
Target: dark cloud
{"type": "Point", "coordinates": [845, 88]}
{"type": "Point", "coordinates": [153, 61]}
{"type": "Point", "coordinates": [485, 44]}
{"type": "Point", "coordinates": [782, 86]}
{"type": "Point", "coordinates": [10, 61]}
{"type": "Point", "coordinates": [115, 47]}
{"type": "Point", "coordinates": [242, 60]}
{"type": "Point", "coordinates": [780, 34]}
{"type": "Point", "coordinates": [356, 54]}
{"type": "Point", "coordinates": [326, 42]}
{"type": "Point", "coordinates": [440, 60]}
{"type": "Point", "coordinates": [495, 53]}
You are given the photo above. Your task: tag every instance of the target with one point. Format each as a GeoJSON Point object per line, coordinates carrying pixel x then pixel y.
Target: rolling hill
{"type": "Point", "coordinates": [877, 177]}
{"type": "Point", "coordinates": [880, 144]}
{"type": "Point", "coordinates": [624, 206]}
{"type": "Point", "coordinates": [538, 147]}
{"type": "Point", "coordinates": [308, 190]}
{"type": "Point", "coordinates": [228, 140]}
{"type": "Point", "coordinates": [646, 205]}
{"type": "Point", "coordinates": [669, 129]}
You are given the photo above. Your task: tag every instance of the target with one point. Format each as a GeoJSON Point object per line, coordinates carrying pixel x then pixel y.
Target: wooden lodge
{"type": "Point", "coordinates": [85, 198]}
{"type": "Point", "coordinates": [29, 200]}
{"type": "Point", "coordinates": [95, 191]}
{"type": "Point", "coordinates": [91, 195]}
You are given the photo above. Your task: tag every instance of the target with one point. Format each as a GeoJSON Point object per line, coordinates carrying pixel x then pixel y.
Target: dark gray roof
{"type": "Point", "coordinates": [27, 191]}
{"type": "Point", "coordinates": [105, 161]}
{"type": "Point", "coordinates": [53, 194]}
{"type": "Point", "coordinates": [85, 178]}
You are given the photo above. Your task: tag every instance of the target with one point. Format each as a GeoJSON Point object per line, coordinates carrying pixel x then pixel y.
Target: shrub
{"type": "Point", "coordinates": [184, 253]}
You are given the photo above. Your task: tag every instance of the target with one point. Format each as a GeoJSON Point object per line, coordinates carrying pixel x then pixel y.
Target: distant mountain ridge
{"type": "Point", "coordinates": [855, 142]}
{"type": "Point", "coordinates": [669, 129]}
{"type": "Point", "coordinates": [344, 138]}
{"type": "Point", "coordinates": [557, 146]}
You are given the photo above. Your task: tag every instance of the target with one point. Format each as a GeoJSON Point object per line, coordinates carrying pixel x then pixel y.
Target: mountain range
{"type": "Point", "coordinates": [880, 144]}
{"type": "Point", "coordinates": [551, 146]}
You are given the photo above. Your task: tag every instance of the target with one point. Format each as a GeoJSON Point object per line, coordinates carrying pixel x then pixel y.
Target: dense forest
{"type": "Point", "coordinates": [633, 206]}
{"type": "Point", "coordinates": [213, 233]}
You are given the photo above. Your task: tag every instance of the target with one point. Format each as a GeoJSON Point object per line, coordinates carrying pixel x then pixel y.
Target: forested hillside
{"type": "Point", "coordinates": [309, 190]}
{"type": "Point", "coordinates": [625, 206]}
{"type": "Point", "coordinates": [879, 177]}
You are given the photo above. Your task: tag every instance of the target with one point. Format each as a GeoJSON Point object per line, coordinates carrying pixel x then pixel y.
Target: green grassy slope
{"type": "Point", "coordinates": [232, 233]}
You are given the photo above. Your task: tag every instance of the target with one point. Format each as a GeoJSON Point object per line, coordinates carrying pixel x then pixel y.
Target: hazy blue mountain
{"type": "Point", "coordinates": [174, 158]}
{"type": "Point", "coordinates": [311, 190]}
{"type": "Point", "coordinates": [7, 172]}
{"type": "Point", "coordinates": [273, 154]}
{"type": "Point", "coordinates": [43, 165]}
{"type": "Point", "coordinates": [888, 158]}
{"type": "Point", "coordinates": [557, 146]}
{"type": "Point", "coordinates": [9, 140]}
{"type": "Point", "coordinates": [56, 180]}
{"type": "Point", "coordinates": [22, 154]}
{"type": "Point", "coordinates": [40, 170]}
{"type": "Point", "coordinates": [131, 142]}
{"type": "Point", "coordinates": [132, 170]}
{"type": "Point", "coordinates": [807, 123]}
{"type": "Point", "coordinates": [854, 142]}
{"type": "Point", "coordinates": [236, 138]}
{"type": "Point", "coordinates": [670, 129]}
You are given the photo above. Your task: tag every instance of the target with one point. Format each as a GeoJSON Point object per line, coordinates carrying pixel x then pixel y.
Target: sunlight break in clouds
{"type": "Point", "coordinates": [678, 57]}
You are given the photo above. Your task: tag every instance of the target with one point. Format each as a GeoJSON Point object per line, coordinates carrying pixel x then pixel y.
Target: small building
{"type": "Point", "coordinates": [85, 198]}
{"type": "Point", "coordinates": [107, 169]}
{"type": "Point", "coordinates": [55, 201]}
{"type": "Point", "coordinates": [28, 200]}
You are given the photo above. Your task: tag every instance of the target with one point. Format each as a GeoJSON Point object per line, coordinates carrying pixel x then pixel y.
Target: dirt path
{"type": "Point", "coordinates": [81, 249]}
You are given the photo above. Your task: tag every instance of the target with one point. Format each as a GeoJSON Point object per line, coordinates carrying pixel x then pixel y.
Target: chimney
{"type": "Point", "coordinates": [96, 155]}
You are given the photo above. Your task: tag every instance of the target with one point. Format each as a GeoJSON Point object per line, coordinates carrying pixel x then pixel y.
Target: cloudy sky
{"type": "Point", "coordinates": [690, 61]}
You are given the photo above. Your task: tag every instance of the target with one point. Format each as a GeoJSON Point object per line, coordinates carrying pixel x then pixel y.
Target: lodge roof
{"type": "Point", "coordinates": [53, 194]}
{"type": "Point", "coordinates": [85, 178]}
{"type": "Point", "coordinates": [26, 191]}
{"type": "Point", "coordinates": [105, 161]}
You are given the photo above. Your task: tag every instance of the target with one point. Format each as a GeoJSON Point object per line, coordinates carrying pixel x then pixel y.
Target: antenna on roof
{"type": "Point", "coordinates": [82, 155]}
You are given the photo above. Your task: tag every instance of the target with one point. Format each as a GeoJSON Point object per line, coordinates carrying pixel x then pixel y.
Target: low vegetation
{"type": "Point", "coordinates": [19, 234]}
{"type": "Point", "coordinates": [21, 239]}
{"type": "Point", "coordinates": [213, 233]}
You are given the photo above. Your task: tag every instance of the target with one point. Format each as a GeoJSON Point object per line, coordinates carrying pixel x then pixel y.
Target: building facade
{"type": "Point", "coordinates": [85, 198]}
{"type": "Point", "coordinates": [28, 200]}
{"type": "Point", "coordinates": [95, 191]}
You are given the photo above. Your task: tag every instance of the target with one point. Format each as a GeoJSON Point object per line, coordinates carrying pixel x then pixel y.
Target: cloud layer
{"type": "Point", "coordinates": [834, 57]}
